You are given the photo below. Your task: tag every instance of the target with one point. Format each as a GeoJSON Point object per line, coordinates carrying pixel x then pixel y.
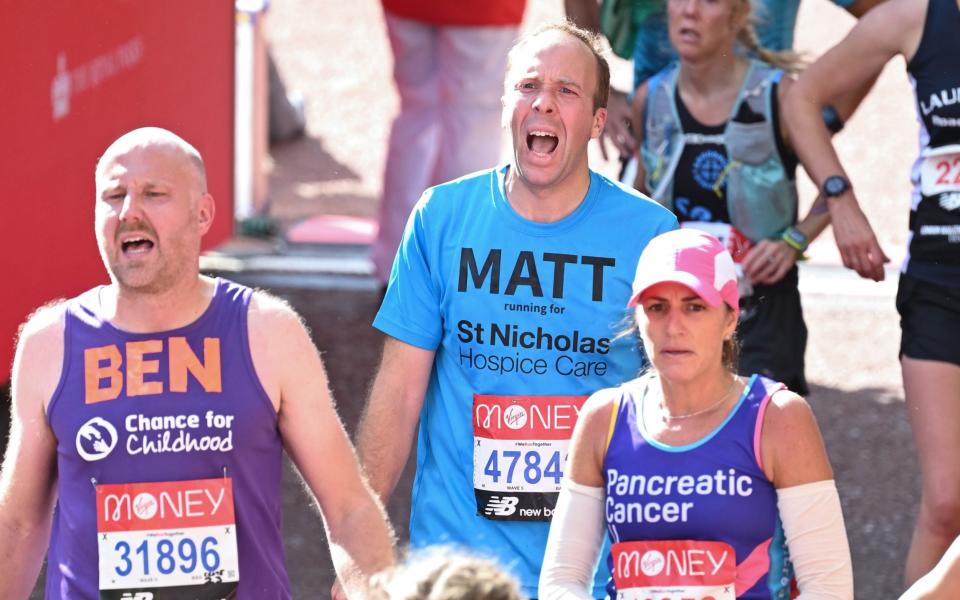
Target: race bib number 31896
{"type": "Point", "coordinates": [520, 452]}
{"type": "Point", "coordinates": [172, 539]}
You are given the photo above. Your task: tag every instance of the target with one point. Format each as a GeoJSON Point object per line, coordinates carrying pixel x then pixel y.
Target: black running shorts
{"type": "Point", "coordinates": [929, 320]}
{"type": "Point", "coordinates": [773, 335]}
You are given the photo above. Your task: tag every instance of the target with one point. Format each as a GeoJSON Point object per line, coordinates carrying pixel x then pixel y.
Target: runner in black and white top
{"type": "Point", "coordinates": [714, 148]}
{"type": "Point", "coordinates": [924, 32]}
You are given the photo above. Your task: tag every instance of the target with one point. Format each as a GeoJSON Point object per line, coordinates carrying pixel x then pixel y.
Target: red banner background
{"type": "Point", "coordinates": [76, 75]}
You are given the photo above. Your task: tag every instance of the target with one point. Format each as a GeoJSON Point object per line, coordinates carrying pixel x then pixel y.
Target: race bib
{"type": "Point", "coordinates": [172, 539]}
{"type": "Point", "coordinates": [737, 244]}
{"type": "Point", "coordinates": [674, 570]}
{"type": "Point", "coordinates": [519, 453]}
{"type": "Point", "coordinates": [940, 171]}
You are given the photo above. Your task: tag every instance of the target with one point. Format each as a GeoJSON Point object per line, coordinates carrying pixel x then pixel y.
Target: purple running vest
{"type": "Point", "coordinates": [711, 490]}
{"type": "Point", "coordinates": [104, 413]}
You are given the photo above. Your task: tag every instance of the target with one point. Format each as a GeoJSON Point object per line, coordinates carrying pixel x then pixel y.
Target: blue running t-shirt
{"type": "Point", "coordinates": [523, 317]}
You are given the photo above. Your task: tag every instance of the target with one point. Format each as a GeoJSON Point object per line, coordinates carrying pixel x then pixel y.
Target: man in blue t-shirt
{"type": "Point", "coordinates": [502, 313]}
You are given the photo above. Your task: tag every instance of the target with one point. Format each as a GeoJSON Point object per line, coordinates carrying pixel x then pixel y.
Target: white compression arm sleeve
{"type": "Point", "coordinates": [576, 535]}
{"type": "Point", "coordinates": [817, 540]}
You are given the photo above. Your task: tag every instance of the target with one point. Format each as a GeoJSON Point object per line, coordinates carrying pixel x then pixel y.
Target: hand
{"type": "Point", "coordinates": [855, 238]}
{"type": "Point", "coordinates": [768, 261]}
{"type": "Point", "coordinates": [617, 129]}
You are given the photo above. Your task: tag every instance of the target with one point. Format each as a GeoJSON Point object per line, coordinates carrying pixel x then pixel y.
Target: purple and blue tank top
{"type": "Point", "coordinates": [178, 413]}
{"type": "Point", "coordinates": [701, 517]}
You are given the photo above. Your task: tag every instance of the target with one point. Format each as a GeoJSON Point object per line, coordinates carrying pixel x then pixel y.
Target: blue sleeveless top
{"type": "Point", "coordinates": [713, 490]}
{"type": "Point", "coordinates": [178, 406]}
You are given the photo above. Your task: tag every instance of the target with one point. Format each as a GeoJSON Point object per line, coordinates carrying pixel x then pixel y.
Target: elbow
{"type": "Point", "coordinates": [803, 97]}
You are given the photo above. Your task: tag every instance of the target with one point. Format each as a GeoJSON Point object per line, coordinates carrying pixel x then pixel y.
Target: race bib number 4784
{"type": "Point", "coordinates": [520, 452]}
{"type": "Point", "coordinates": [172, 539]}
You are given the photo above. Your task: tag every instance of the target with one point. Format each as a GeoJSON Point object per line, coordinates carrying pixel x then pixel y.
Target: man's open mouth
{"type": "Point", "coordinates": [136, 245]}
{"type": "Point", "coordinates": [542, 142]}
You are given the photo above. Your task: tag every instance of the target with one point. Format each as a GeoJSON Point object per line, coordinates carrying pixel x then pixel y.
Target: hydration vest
{"type": "Point", "coordinates": [761, 196]}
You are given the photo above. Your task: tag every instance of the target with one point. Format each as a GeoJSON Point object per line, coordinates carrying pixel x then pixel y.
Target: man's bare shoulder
{"type": "Point", "coordinates": [276, 330]}
{"type": "Point", "coordinates": [278, 342]}
{"type": "Point", "coordinates": [38, 362]}
{"type": "Point", "coordinates": [269, 313]}
{"type": "Point", "coordinates": [45, 323]}
{"type": "Point", "coordinates": [40, 337]}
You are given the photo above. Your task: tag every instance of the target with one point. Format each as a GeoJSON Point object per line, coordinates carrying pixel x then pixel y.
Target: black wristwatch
{"type": "Point", "coordinates": [835, 185]}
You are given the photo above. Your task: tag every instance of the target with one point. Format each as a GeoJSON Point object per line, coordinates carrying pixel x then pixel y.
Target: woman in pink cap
{"type": "Point", "coordinates": [710, 485]}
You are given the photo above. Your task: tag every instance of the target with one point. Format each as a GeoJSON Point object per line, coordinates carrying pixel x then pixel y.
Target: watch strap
{"type": "Point", "coordinates": [795, 238]}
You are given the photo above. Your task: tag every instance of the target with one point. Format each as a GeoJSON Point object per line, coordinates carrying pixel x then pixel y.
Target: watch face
{"type": "Point", "coordinates": [835, 185]}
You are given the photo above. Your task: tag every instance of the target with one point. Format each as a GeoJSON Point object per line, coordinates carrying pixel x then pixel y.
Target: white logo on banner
{"type": "Point", "coordinates": [60, 89]}
{"type": "Point", "coordinates": [68, 83]}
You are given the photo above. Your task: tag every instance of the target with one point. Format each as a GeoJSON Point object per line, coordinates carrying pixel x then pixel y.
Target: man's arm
{"type": "Point", "coordinates": [393, 410]}
{"type": "Point", "coordinates": [28, 479]}
{"type": "Point", "coordinates": [289, 366]}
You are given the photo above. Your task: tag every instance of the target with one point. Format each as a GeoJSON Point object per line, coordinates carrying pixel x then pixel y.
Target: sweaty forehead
{"type": "Point", "coordinates": [553, 54]}
{"type": "Point", "coordinates": [150, 162]}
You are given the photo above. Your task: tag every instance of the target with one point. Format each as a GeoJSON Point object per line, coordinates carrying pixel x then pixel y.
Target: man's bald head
{"type": "Point", "coordinates": [155, 137]}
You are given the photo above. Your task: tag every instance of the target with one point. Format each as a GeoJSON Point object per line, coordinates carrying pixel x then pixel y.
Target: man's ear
{"type": "Point", "coordinates": [206, 210]}
{"type": "Point", "coordinates": [599, 121]}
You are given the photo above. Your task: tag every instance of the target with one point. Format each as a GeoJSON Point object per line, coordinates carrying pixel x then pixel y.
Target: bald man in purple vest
{"type": "Point", "coordinates": [150, 415]}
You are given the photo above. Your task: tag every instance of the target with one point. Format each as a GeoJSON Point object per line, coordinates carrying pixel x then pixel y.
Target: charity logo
{"type": "Point", "coordinates": [96, 439]}
{"type": "Point", "coordinates": [708, 166]}
{"type": "Point", "coordinates": [501, 506]}
{"type": "Point", "coordinates": [515, 416]}
{"type": "Point", "coordinates": [652, 563]}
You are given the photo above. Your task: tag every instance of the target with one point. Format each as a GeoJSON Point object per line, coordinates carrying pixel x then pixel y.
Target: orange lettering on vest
{"type": "Point", "coordinates": [182, 360]}
{"type": "Point", "coordinates": [137, 367]}
{"type": "Point", "coordinates": [94, 373]}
